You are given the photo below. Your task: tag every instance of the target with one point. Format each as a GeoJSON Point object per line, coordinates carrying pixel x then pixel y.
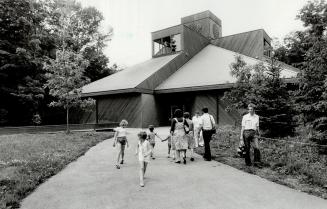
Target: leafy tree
{"type": "Point", "coordinates": [21, 58]}
{"type": "Point", "coordinates": [259, 84]}
{"type": "Point", "coordinates": [81, 28]}
{"type": "Point", "coordinates": [65, 79]}
{"type": "Point", "coordinates": [311, 96]}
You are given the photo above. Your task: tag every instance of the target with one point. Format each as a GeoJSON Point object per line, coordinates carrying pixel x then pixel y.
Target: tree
{"type": "Point", "coordinates": [82, 33]}
{"type": "Point", "coordinates": [311, 96]}
{"type": "Point", "coordinates": [21, 60]}
{"type": "Point", "coordinates": [259, 84]}
{"type": "Point", "coordinates": [65, 79]}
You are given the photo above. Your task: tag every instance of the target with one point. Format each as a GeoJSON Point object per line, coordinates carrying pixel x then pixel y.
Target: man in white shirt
{"type": "Point", "coordinates": [207, 124]}
{"type": "Point", "coordinates": [196, 119]}
{"type": "Point", "coordinates": [250, 128]}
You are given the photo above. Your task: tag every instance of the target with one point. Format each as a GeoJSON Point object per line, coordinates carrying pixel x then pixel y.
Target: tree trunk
{"type": "Point", "coordinates": [67, 120]}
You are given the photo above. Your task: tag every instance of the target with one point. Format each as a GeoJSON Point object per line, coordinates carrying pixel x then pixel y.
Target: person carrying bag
{"type": "Point", "coordinates": [208, 129]}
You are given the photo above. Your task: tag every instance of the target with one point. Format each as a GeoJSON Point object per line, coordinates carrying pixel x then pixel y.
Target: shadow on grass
{"type": "Point", "coordinates": [27, 160]}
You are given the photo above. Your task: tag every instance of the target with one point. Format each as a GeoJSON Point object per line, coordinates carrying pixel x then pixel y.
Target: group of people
{"type": "Point", "coordinates": [186, 134]}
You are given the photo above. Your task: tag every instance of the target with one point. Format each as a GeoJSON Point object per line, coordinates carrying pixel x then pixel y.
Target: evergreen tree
{"type": "Point", "coordinates": [261, 84]}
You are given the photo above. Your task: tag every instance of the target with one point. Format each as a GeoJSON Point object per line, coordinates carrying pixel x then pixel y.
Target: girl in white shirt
{"type": "Point", "coordinates": [143, 151]}
{"type": "Point", "coordinates": [121, 141]}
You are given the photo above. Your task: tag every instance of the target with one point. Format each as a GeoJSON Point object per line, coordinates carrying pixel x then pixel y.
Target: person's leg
{"type": "Point", "coordinates": [178, 157]}
{"type": "Point", "coordinates": [152, 152]}
{"type": "Point", "coordinates": [192, 154]}
{"type": "Point", "coordinates": [145, 166]}
{"type": "Point", "coordinates": [257, 155]}
{"type": "Point", "coordinates": [201, 138]}
{"type": "Point", "coordinates": [169, 147]}
{"type": "Point", "coordinates": [206, 139]}
{"type": "Point", "coordinates": [119, 153]}
{"type": "Point", "coordinates": [184, 156]}
{"type": "Point", "coordinates": [141, 173]}
{"type": "Point", "coordinates": [196, 137]}
{"type": "Point", "coordinates": [247, 145]}
{"type": "Point", "coordinates": [122, 154]}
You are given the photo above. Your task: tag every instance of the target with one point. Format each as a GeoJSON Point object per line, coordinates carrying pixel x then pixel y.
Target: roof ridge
{"type": "Point", "coordinates": [239, 33]}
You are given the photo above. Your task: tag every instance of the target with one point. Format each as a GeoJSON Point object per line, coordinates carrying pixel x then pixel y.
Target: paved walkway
{"type": "Point", "coordinates": [92, 182]}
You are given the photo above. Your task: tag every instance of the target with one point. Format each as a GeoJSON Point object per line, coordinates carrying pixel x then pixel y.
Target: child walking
{"type": "Point", "coordinates": [168, 139]}
{"type": "Point", "coordinates": [121, 141]}
{"type": "Point", "coordinates": [143, 151]}
{"type": "Point", "coordinates": [152, 139]}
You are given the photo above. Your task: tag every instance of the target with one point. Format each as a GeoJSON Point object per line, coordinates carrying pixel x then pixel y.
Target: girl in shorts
{"type": "Point", "coordinates": [143, 151]}
{"type": "Point", "coordinates": [120, 140]}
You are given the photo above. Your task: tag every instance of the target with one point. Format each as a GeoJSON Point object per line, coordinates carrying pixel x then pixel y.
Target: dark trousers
{"type": "Point", "coordinates": [207, 138]}
{"type": "Point", "coordinates": [248, 137]}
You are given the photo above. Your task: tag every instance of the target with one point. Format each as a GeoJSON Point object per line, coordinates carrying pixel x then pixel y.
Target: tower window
{"type": "Point", "coordinates": [167, 45]}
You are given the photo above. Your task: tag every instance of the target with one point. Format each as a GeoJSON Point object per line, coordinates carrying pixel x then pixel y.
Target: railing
{"type": "Point", "coordinates": [55, 128]}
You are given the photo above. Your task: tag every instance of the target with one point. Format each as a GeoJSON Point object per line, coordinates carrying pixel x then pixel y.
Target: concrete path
{"type": "Point", "coordinates": [92, 182]}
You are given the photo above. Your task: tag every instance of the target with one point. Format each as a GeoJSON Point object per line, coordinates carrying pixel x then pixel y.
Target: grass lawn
{"type": "Point", "coordinates": [27, 160]}
{"type": "Point", "coordinates": [298, 166]}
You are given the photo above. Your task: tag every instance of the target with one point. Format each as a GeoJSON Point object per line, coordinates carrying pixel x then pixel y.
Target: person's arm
{"type": "Point", "coordinates": [186, 123]}
{"type": "Point", "coordinates": [258, 129]}
{"type": "Point", "coordinates": [162, 140]}
{"type": "Point", "coordinates": [137, 149]}
{"type": "Point", "coordinates": [242, 130]}
{"type": "Point", "coordinates": [172, 127]}
{"type": "Point", "coordinates": [158, 136]}
{"type": "Point", "coordinates": [213, 120]}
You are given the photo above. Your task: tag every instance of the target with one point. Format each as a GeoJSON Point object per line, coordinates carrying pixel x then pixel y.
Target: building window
{"type": "Point", "coordinates": [167, 45]}
{"type": "Point", "coordinates": [266, 48]}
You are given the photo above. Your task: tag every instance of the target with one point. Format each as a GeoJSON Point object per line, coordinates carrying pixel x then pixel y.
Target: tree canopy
{"type": "Point", "coordinates": [32, 32]}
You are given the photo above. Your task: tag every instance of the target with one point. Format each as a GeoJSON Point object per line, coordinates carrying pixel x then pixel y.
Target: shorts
{"type": "Point", "coordinates": [122, 140]}
{"type": "Point", "coordinates": [152, 144]}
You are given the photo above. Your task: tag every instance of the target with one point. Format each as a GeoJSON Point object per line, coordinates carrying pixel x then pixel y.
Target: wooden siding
{"type": "Point", "coordinates": [208, 100]}
{"type": "Point", "coordinates": [248, 43]}
{"type": "Point", "coordinates": [193, 42]}
{"type": "Point", "coordinates": [149, 111]}
{"type": "Point", "coordinates": [114, 108]}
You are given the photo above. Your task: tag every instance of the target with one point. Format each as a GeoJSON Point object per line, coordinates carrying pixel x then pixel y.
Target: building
{"type": "Point", "coordinates": [189, 70]}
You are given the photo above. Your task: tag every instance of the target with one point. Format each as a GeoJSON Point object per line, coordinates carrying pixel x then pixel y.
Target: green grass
{"type": "Point", "coordinates": [298, 166]}
{"type": "Point", "coordinates": [27, 160]}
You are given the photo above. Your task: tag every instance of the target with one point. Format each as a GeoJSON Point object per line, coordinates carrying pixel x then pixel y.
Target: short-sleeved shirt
{"type": "Point", "coordinates": [196, 121]}
{"type": "Point", "coordinates": [152, 137]}
{"type": "Point", "coordinates": [121, 131]}
{"type": "Point", "coordinates": [207, 121]}
{"type": "Point", "coordinates": [250, 122]}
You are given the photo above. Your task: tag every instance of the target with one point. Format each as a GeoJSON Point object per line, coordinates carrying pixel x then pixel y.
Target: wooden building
{"type": "Point", "coordinates": [189, 70]}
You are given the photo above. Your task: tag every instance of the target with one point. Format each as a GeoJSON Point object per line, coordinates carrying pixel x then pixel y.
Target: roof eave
{"type": "Point", "coordinates": [195, 88]}
{"type": "Point", "coordinates": [118, 91]}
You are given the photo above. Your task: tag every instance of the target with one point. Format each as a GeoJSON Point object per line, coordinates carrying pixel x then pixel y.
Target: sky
{"type": "Point", "coordinates": [134, 20]}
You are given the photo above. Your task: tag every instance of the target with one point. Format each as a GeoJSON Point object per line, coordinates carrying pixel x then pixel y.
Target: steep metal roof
{"type": "Point", "coordinates": [209, 69]}
{"type": "Point", "coordinates": [128, 79]}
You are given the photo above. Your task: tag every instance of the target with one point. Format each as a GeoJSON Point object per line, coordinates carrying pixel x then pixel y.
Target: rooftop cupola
{"type": "Point", "coordinates": [177, 38]}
